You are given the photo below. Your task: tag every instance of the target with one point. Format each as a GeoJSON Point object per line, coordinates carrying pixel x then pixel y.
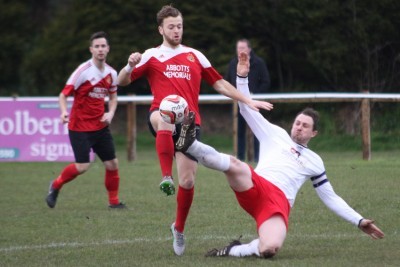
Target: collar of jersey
{"type": "Point", "coordinates": [163, 47]}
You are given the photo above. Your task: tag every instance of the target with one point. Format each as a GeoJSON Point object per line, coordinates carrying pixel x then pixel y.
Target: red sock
{"type": "Point", "coordinates": [111, 182]}
{"type": "Point", "coordinates": [68, 174]}
{"type": "Point", "coordinates": [184, 202]}
{"type": "Point", "coordinates": [165, 151]}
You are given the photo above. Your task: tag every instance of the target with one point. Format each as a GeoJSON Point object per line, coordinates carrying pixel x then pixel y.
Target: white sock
{"type": "Point", "coordinates": [209, 157]}
{"type": "Point", "coordinates": [244, 250]}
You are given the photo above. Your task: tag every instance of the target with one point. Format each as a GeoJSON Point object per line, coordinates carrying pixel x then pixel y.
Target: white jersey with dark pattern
{"type": "Point", "coordinates": [287, 164]}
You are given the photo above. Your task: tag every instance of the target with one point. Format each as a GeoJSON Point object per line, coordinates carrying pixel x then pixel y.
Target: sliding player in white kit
{"type": "Point", "coordinates": [268, 192]}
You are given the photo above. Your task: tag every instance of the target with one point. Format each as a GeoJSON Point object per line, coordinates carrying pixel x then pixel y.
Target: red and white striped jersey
{"type": "Point", "coordinates": [89, 86]}
{"type": "Point", "coordinates": [175, 71]}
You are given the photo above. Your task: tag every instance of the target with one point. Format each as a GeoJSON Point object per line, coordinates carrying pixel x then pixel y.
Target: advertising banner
{"type": "Point", "coordinates": [32, 131]}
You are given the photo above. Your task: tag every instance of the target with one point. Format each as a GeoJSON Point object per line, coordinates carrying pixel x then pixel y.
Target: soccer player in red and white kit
{"type": "Point", "coordinates": [268, 192]}
{"type": "Point", "coordinates": [173, 68]}
{"type": "Point", "coordinates": [88, 122]}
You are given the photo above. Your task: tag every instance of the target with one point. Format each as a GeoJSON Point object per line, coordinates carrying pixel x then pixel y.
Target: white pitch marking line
{"type": "Point", "coordinates": [137, 240]}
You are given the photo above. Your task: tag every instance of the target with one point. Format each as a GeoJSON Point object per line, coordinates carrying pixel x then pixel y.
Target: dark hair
{"type": "Point", "coordinates": [167, 11]}
{"type": "Point", "coordinates": [98, 35]}
{"type": "Point", "coordinates": [244, 40]}
{"type": "Point", "coordinates": [313, 114]}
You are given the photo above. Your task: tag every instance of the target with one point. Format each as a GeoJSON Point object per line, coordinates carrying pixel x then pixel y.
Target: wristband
{"type": "Point", "coordinates": [359, 222]}
{"type": "Point", "coordinates": [243, 77]}
{"type": "Point", "coordinates": [128, 68]}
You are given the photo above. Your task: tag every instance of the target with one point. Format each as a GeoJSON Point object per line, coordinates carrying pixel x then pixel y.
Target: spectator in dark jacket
{"type": "Point", "coordinates": [259, 82]}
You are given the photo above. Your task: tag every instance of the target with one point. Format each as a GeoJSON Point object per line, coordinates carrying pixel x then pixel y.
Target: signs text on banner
{"type": "Point", "coordinates": [33, 131]}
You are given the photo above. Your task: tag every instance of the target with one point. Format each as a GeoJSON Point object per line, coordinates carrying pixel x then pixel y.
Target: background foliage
{"type": "Point", "coordinates": [308, 45]}
{"type": "Point", "coordinates": [314, 46]}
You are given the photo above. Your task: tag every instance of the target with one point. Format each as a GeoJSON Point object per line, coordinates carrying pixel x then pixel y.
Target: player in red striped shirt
{"type": "Point", "coordinates": [173, 68]}
{"type": "Point", "coordinates": [88, 122]}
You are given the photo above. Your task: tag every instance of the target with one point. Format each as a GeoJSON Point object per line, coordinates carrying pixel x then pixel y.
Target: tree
{"type": "Point", "coordinates": [14, 40]}
{"type": "Point", "coordinates": [308, 45]}
{"type": "Point", "coordinates": [64, 43]}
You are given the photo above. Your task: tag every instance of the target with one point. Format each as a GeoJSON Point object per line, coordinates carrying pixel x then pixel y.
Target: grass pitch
{"type": "Point", "coordinates": [82, 231]}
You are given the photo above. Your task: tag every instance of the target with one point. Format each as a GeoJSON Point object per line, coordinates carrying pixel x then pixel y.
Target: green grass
{"type": "Point", "coordinates": [323, 142]}
{"type": "Point", "coordinates": [81, 231]}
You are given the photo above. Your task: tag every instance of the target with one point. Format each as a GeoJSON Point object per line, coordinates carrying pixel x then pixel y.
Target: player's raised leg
{"type": "Point", "coordinates": [205, 154]}
{"type": "Point", "coordinates": [165, 151]}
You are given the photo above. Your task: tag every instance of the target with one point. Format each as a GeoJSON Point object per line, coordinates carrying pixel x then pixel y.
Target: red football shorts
{"type": "Point", "coordinates": [264, 200]}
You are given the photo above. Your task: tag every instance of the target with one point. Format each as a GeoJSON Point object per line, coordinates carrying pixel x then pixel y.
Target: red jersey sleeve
{"type": "Point", "coordinates": [141, 68]}
{"type": "Point", "coordinates": [76, 78]}
{"type": "Point", "coordinates": [138, 72]}
{"type": "Point", "coordinates": [211, 75]}
{"type": "Point", "coordinates": [68, 90]}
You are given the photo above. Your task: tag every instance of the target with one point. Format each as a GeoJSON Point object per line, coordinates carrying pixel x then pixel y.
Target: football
{"type": "Point", "coordinates": [173, 109]}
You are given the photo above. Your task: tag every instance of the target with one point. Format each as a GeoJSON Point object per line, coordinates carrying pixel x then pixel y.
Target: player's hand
{"type": "Point", "coordinates": [257, 105]}
{"type": "Point", "coordinates": [368, 227]}
{"type": "Point", "coordinates": [107, 118]}
{"type": "Point", "coordinates": [243, 66]}
{"type": "Point", "coordinates": [243, 69]}
{"type": "Point", "coordinates": [134, 59]}
{"type": "Point", "coordinates": [64, 117]}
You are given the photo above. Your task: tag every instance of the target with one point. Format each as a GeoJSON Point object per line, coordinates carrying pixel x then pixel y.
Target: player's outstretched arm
{"type": "Point", "coordinates": [225, 88]}
{"type": "Point", "coordinates": [243, 66]}
{"type": "Point", "coordinates": [242, 70]}
{"type": "Point", "coordinates": [368, 227]}
{"type": "Point", "coordinates": [342, 209]}
{"type": "Point", "coordinates": [124, 76]}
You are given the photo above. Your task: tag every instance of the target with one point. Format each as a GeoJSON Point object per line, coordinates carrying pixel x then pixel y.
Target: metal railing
{"type": "Point", "coordinates": [365, 98]}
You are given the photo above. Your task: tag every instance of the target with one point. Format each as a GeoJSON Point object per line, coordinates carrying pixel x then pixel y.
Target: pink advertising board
{"type": "Point", "coordinates": [32, 131]}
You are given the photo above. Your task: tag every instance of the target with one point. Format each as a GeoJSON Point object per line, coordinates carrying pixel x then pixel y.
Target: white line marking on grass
{"type": "Point", "coordinates": [138, 240]}
{"type": "Point", "coordinates": [81, 244]}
